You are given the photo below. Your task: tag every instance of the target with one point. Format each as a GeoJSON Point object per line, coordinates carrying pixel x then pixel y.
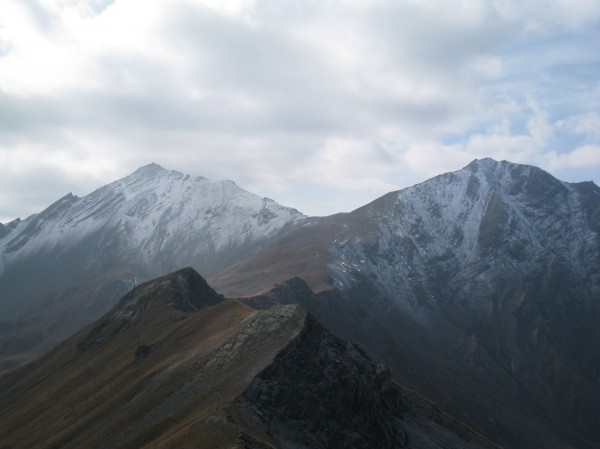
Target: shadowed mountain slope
{"type": "Point", "coordinates": [486, 280]}
{"type": "Point", "coordinates": [176, 365]}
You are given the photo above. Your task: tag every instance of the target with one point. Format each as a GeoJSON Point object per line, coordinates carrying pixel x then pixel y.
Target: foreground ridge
{"type": "Point", "coordinates": [180, 365]}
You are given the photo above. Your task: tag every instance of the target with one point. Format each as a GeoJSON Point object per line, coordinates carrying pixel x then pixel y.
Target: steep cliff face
{"type": "Point", "coordinates": [476, 227]}
{"type": "Point", "coordinates": [176, 365]}
{"type": "Point", "coordinates": [510, 258]}
{"type": "Point", "coordinates": [323, 392]}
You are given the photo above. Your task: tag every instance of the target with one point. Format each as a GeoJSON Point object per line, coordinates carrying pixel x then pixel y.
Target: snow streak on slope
{"type": "Point", "coordinates": [487, 222]}
{"type": "Point", "coordinates": [489, 276]}
{"type": "Point", "coordinates": [153, 210]}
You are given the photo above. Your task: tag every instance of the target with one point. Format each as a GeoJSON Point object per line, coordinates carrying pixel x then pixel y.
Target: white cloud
{"type": "Point", "coordinates": [587, 156]}
{"type": "Point", "coordinates": [347, 96]}
{"type": "Point", "coordinates": [586, 124]}
{"type": "Point", "coordinates": [352, 165]}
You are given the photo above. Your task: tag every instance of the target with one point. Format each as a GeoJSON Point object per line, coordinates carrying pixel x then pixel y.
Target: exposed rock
{"type": "Point", "coordinates": [184, 290]}
{"type": "Point", "coordinates": [322, 393]}
{"type": "Point", "coordinates": [143, 350]}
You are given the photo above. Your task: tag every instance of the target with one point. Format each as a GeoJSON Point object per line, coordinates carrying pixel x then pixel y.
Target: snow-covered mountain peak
{"type": "Point", "coordinates": [486, 195]}
{"type": "Point", "coordinates": [152, 209]}
{"type": "Point", "coordinates": [484, 220]}
{"type": "Point", "coordinates": [513, 178]}
{"type": "Point", "coordinates": [152, 169]}
{"type": "Point", "coordinates": [153, 173]}
{"type": "Point", "coordinates": [488, 164]}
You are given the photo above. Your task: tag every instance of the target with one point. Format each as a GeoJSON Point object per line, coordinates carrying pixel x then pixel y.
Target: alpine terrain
{"type": "Point", "coordinates": [174, 364]}
{"type": "Point", "coordinates": [480, 289]}
{"type": "Point", "coordinates": [66, 266]}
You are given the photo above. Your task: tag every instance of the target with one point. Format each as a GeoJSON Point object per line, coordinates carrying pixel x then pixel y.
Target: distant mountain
{"type": "Point", "coordinates": [65, 266]}
{"type": "Point", "coordinates": [479, 288]}
{"type": "Point", "coordinates": [174, 364]}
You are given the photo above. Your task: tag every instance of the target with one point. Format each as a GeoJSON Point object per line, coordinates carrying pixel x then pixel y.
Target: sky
{"type": "Point", "coordinates": [321, 105]}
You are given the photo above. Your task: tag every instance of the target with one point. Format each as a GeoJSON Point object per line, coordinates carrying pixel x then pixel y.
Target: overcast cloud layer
{"type": "Point", "coordinates": [321, 105]}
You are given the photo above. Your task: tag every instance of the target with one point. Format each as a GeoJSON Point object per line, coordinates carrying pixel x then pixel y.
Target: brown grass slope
{"type": "Point", "coordinates": [176, 365]}
{"type": "Point", "coordinates": [151, 370]}
{"type": "Point", "coordinates": [304, 251]}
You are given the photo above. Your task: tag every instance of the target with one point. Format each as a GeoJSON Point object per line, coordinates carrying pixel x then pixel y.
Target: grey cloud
{"type": "Point", "coordinates": [29, 116]}
{"type": "Point", "coordinates": [294, 88]}
{"type": "Point", "coordinates": [35, 186]}
{"type": "Point", "coordinates": [292, 83]}
{"type": "Point", "coordinates": [426, 38]}
{"type": "Point", "coordinates": [286, 13]}
{"type": "Point", "coordinates": [229, 52]}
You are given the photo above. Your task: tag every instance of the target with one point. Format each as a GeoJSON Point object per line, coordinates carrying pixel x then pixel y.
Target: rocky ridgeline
{"type": "Point", "coordinates": [184, 290]}
{"type": "Point", "coordinates": [324, 392]}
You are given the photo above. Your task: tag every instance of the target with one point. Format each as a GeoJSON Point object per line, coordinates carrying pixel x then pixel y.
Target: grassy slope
{"type": "Point", "coordinates": [70, 398]}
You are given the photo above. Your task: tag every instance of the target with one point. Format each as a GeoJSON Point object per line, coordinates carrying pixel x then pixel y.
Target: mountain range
{"type": "Point", "coordinates": [480, 289]}
{"type": "Point", "coordinates": [67, 265]}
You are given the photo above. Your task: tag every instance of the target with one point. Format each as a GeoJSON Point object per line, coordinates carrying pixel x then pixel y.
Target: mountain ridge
{"type": "Point", "coordinates": [223, 375]}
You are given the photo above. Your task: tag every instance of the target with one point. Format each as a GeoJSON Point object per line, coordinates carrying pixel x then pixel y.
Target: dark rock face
{"type": "Point", "coordinates": [322, 392]}
{"type": "Point", "coordinates": [503, 273]}
{"type": "Point", "coordinates": [247, 442]}
{"type": "Point", "coordinates": [494, 222]}
{"type": "Point", "coordinates": [143, 350]}
{"type": "Point", "coordinates": [184, 290]}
